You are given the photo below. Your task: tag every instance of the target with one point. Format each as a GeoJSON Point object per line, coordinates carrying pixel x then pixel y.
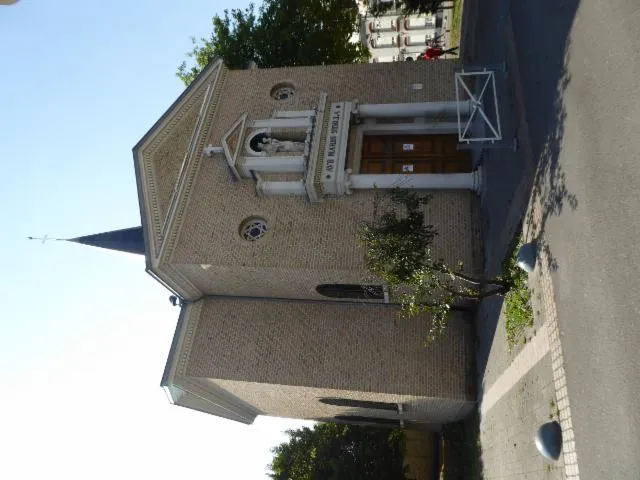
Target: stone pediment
{"type": "Point", "coordinates": [166, 154]}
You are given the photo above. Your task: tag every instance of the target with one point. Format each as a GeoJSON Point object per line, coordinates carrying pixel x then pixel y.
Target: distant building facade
{"type": "Point", "coordinates": [395, 37]}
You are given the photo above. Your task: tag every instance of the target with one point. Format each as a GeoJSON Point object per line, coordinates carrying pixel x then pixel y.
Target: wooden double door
{"type": "Point", "coordinates": [413, 154]}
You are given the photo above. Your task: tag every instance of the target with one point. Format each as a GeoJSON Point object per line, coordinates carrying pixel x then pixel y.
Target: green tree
{"type": "Point", "coordinates": [378, 7]}
{"type": "Point", "coordinates": [282, 33]}
{"type": "Point", "coordinates": [331, 451]}
{"type": "Point", "coordinates": [398, 251]}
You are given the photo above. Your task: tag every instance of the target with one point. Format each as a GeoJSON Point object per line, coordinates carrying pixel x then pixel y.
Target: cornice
{"type": "Point", "coordinates": [190, 169]}
{"type": "Point", "coordinates": [203, 95]}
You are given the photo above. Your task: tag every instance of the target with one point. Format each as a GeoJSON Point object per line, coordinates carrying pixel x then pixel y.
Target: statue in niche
{"type": "Point", "coordinates": [271, 146]}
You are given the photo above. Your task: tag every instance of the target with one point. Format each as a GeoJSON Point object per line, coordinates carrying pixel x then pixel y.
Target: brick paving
{"type": "Point", "coordinates": [507, 429]}
{"type": "Point", "coordinates": [527, 359]}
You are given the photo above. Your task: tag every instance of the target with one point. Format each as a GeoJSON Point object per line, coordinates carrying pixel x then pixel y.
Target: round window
{"type": "Point", "coordinates": [282, 91]}
{"type": "Point", "coordinates": [253, 228]}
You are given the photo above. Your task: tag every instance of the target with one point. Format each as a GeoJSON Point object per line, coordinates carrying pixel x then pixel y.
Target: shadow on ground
{"type": "Point", "coordinates": [537, 62]}
{"type": "Point", "coordinates": [462, 450]}
{"type": "Point", "coordinates": [548, 187]}
{"type": "Point", "coordinates": [543, 60]}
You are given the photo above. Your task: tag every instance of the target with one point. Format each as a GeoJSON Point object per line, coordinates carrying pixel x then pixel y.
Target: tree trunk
{"type": "Point", "coordinates": [469, 279]}
{"type": "Point", "coordinates": [479, 295]}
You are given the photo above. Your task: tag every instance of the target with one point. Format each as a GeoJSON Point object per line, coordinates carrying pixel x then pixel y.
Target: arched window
{"type": "Point", "coordinates": [255, 140]}
{"type": "Point", "coordinates": [348, 402]}
{"type": "Point", "coordinates": [345, 290]}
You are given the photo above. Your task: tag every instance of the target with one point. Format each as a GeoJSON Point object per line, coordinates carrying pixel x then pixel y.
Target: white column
{"type": "Point", "coordinates": [210, 150]}
{"type": "Point", "coordinates": [295, 122]}
{"type": "Point", "coordinates": [425, 109]}
{"type": "Point", "coordinates": [269, 188]}
{"type": "Point", "coordinates": [424, 181]}
{"type": "Point", "coordinates": [295, 113]}
{"type": "Point", "coordinates": [275, 164]}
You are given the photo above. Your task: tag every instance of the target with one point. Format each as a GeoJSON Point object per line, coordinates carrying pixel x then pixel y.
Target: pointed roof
{"type": "Point", "coordinates": [129, 240]}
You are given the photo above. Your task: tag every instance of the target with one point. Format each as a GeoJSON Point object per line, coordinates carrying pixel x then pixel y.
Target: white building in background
{"type": "Point", "coordinates": [394, 37]}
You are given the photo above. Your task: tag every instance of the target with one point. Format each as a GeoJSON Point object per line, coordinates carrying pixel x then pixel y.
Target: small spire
{"type": "Point", "coordinates": [130, 240]}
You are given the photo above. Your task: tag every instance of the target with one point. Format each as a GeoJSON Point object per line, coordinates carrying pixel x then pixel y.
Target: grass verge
{"type": "Point", "coordinates": [462, 450]}
{"type": "Point", "coordinates": [456, 22]}
{"type": "Point", "coordinates": [518, 311]}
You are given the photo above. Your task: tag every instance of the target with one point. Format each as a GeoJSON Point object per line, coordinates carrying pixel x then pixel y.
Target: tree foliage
{"type": "Point", "coordinates": [398, 251]}
{"type": "Point", "coordinates": [333, 451]}
{"type": "Point", "coordinates": [378, 7]}
{"type": "Point", "coordinates": [282, 33]}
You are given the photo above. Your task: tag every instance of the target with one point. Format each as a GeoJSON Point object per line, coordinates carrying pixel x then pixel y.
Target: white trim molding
{"type": "Point", "coordinates": [282, 188]}
{"type": "Point", "coordinates": [424, 181]}
{"type": "Point", "coordinates": [335, 151]}
{"type": "Point", "coordinates": [418, 110]}
{"type": "Point", "coordinates": [289, 122]}
{"type": "Point", "coordinates": [294, 113]}
{"type": "Point", "coordinates": [314, 152]}
{"type": "Point", "coordinates": [272, 164]}
{"type": "Point", "coordinates": [238, 129]}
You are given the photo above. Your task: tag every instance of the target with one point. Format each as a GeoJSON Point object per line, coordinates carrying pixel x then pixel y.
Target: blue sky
{"type": "Point", "coordinates": [85, 332]}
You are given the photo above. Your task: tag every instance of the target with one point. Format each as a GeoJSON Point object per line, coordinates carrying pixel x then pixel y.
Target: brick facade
{"type": "Point", "coordinates": [283, 356]}
{"type": "Point", "coordinates": [308, 244]}
{"type": "Point", "coordinates": [257, 338]}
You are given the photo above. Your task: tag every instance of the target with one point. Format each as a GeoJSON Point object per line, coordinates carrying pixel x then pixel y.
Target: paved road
{"type": "Point", "coordinates": [580, 68]}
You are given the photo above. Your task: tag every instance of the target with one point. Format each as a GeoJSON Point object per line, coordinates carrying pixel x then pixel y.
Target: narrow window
{"type": "Point", "coordinates": [348, 402]}
{"type": "Point", "coordinates": [344, 290]}
{"type": "Point", "coordinates": [370, 420]}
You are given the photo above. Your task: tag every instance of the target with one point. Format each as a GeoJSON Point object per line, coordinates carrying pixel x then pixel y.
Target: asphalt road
{"type": "Point", "coordinates": [580, 68]}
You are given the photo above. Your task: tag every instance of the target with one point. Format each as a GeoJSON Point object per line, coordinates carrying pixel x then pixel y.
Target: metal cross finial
{"type": "Point", "coordinates": [44, 238]}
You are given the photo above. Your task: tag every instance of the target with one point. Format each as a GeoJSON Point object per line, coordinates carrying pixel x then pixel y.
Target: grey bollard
{"type": "Point", "coordinates": [549, 440]}
{"type": "Point", "coordinates": [526, 258]}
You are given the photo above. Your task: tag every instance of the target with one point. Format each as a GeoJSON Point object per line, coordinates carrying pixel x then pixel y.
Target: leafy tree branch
{"type": "Point", "coordinates": [281, 33]}
{"type": "Point", "coordinates": [398, 250]}
{"type": "Point", "coordinates": [339, 452]}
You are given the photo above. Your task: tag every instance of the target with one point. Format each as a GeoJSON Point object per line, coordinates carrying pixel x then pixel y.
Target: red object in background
{"type": "Point", "coordinates": [433, 53]}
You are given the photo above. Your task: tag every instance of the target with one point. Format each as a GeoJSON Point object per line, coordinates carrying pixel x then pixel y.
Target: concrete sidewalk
{"type": "Point", "coordinates": [523, 388]}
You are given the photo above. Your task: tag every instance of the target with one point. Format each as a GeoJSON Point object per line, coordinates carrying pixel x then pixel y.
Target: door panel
{"type": "Point", "coordinates": [413, 154]}
{"type": "Point", "coordinates": [376, 166]}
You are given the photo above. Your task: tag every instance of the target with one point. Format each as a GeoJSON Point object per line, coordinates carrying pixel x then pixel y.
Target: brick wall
{"type": "Point", "coordinates": [248, 91]}
{"type": "Point", "coordinates": [307, 244]}
{"type": "Point", "coordinates": [281, 357]}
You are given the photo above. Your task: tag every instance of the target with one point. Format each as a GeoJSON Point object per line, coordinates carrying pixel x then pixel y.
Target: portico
{"type": "Point", "coordinates": [409, 145]}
